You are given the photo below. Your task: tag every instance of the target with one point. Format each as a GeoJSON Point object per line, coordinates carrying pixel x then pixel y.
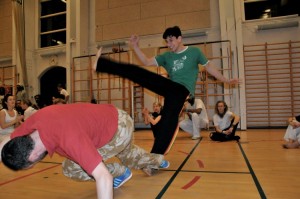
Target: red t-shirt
{"type": "Point", "coordinates": [74, 131]}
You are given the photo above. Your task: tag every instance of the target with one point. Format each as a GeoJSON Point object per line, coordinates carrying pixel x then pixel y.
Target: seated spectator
{"type": "Point", "coordinates": [9, 118]}
{"type": "Point", "coordinates": [225, 123]}
{"type": "Point", "coordinates": [292, 134]}
{"type": "Point", "coordinates": [195, 117]}
{"type": "Point", "coordinates": [28, 108]}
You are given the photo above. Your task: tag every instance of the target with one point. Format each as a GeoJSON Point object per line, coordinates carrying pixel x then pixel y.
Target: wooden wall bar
{"type": "Point", "coordinates": [272, 81]}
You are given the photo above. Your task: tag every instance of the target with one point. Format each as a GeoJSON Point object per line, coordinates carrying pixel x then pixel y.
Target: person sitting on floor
{"type": "Point", "coordinates": [196, 118]}
{"type": "Point", "coordinates": [225, 123]}
{"type": "Point", "coordinates": [292, 134]}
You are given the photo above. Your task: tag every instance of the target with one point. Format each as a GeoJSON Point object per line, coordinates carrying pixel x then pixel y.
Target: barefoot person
{"type": "Point", "coordinates": [292, 134]}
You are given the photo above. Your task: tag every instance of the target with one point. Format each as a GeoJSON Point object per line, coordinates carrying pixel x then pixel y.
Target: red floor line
{"type": "Point", "coordinates": [183, 152]}
{"type": "Point", "coordinates": [200, 163]}
{"type": "Point", "coordinates": [191, 183]}
{"type": "Point", "coordinates": [15, 179]}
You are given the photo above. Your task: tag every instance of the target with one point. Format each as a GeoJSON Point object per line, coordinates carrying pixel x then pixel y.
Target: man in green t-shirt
{"type": "Point", "coordinates": [181, 63]}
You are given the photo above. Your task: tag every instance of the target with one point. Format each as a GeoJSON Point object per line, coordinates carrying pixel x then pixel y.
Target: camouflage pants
{"type": "Point", "coordinates": [120, 146]}
{"type": "Point", "coordinates": [2, 137]}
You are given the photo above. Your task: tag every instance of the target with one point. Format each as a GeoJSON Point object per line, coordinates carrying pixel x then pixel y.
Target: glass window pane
{"type": "Point", "coordinates": [261, 9]}
{"type": "Point", "coordinates": [50, 23]}
{"type": "Point", "coordinates": [52, 6]}
{"type": "Point", "coordinates": [53, 23]}
{"type": "Point", "coordinates": [53, 39]}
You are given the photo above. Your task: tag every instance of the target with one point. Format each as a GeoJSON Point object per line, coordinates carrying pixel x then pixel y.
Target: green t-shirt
{"type": "Point", "coordinates": [183, 67]}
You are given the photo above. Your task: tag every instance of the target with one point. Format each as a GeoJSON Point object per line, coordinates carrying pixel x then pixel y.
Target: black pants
{"type": "Point", "coordinates": [174, 95]}
{"type": "Point", "coordinates": [223, 137]}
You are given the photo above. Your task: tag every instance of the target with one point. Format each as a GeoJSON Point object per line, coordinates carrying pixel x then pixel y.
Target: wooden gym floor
{"type": "Point", "coordinates": [257, 167]}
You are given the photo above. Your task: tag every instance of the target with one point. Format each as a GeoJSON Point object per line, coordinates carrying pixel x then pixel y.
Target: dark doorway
{"type": "Point", "coordinates": [49, 81]}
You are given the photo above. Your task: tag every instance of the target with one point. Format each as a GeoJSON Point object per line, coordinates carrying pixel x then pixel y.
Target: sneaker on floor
{"type": "Point", "coordinates": [120, 180]}
{"type": "Point", "coordinates": [164, 164]}
{"type": "Point", "coordinates": [196, 137]}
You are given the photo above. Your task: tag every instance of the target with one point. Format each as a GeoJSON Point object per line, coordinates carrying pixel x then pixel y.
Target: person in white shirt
{"type": "Point", "coordinates": [63, 92]}
{"type": "Point", "coordinates": [195, 118]}
{"type": "Point", "coordinates": [292, 134]}
{"type": "Point", "coordinates": [28, 108]}
{"type": "Point", "coordinates": [225, 123]}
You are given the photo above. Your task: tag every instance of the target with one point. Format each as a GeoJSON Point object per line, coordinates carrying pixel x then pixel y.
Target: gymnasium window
{"type": "Point", "coordinates": [263, 9]}
{"type": "Point", "coordinates": [52, 22]}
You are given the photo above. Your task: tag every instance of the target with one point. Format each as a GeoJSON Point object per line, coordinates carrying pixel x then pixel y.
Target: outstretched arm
{"type": "Point", "coordinates": [212, 69]}
{"type": "Point", "coordinates": [134, 43]}
{"type": "Point", "coordinates": [104, 182]}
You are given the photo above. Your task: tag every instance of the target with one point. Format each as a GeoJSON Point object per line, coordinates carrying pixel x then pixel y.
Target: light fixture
{"type": "Point", "coordinates": [287, 24]}
{"type": "Point", "coordinates": [5, 59]}
{"type": "Point", "coordinates": [194, 33]}
{"type": "Point", "coordinates": [268, 10]}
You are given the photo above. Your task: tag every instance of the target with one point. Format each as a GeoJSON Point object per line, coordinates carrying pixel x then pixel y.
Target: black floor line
{"type": "Point", "coordinates": [162, 192]}
{"type": "Point", "coordinates": [195, 171]}
{"type": "Point", "coordinates": [258, 186]}
{"type": "Point", "coordinates": [45, 162]}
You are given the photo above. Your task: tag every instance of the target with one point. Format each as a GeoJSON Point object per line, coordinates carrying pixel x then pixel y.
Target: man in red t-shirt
{"type": "Point", "coordinates": [87, 135]}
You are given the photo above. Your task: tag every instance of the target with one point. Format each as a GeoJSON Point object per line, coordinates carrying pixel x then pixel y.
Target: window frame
{"type": "Point", "coordinates": [52, 31]}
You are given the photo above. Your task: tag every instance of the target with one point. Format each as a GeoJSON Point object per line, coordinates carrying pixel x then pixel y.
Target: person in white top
{"type": "Point", "coordinates": [27, 107]}
{"type": "Point", "coordinates": [63, 92]}
{"type": "Point", "coordinates": [292, 134]}
{"type": "Point", "coordinates": [196, 117]}
{"type": "Point", "coordinates": [225, 123]}
{"type": "Point", "coordinates": [9, 118]}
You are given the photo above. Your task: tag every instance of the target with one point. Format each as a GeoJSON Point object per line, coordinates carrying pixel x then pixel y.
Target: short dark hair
{"type": "Point", "coordinates": [172, 31]}
{"type": "Point", "coordinates": [16, 152]}
{"type": "Point", "coordinates": [20, 87]}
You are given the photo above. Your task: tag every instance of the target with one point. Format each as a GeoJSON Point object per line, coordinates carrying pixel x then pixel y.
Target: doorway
{"type": "Point", "coordinates": [48, 84]}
